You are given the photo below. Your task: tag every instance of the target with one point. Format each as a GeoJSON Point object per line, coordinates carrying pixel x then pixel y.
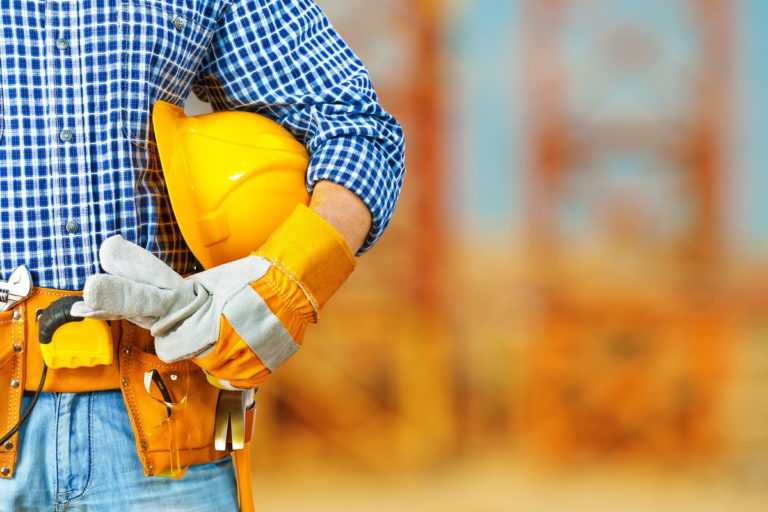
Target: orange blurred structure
{"type": "Point", "coordinates": [372, 385]}
{"type": "Point", "coordinates": [623, 325]}
{"type": "Point", "coordinates": [630, 348]}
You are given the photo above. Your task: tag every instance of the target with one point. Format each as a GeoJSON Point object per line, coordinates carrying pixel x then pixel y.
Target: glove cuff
{"type": "Point", "coordinates": [310, 252]}
{"type": "Point", "coordinates": [232, 357]}
{"type": "Point", "coordinates": [287, 302]}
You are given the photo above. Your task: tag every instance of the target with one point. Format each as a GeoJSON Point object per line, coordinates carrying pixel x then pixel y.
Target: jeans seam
{"type": "Point", "coordinates": [56, 447]}
{"type": "Point", "coordinates": [90, 452]}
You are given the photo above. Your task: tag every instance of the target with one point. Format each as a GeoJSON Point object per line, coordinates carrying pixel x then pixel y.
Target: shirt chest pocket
{"type": "Point", "coordinates": [163, 44]}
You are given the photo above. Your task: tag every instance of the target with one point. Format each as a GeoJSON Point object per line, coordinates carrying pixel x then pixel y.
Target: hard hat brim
{"type": "Point", "coordinates": [166, 120]}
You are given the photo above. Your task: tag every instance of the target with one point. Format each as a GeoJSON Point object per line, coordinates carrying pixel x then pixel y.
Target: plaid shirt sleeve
{"type": "Point", "coordinates": [283, 59]}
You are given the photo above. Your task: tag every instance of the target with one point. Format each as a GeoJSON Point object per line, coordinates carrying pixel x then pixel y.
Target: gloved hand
{"type": "Point", "coordinates": [238, 321]}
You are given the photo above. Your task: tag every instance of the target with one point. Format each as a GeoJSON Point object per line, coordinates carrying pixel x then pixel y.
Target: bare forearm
{"type": "Point", "coordinates": [344, 210]}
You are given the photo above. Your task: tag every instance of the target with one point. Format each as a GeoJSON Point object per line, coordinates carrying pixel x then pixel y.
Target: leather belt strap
{"type": "Point", "coordinates": [11, 388]}
{"type": "Point", "coordinates": [242, 460]}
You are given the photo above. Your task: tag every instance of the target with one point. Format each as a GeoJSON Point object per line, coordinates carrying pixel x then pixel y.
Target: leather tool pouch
{"type": "Point", "coordinates": [173, 430]}
{"type": "Point", "coordinates": [169, 438]}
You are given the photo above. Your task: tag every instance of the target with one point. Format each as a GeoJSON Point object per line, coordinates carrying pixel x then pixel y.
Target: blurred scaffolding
{"type": "Point", "coordinates": [616, 329]}
{"type": "Point", "coordinates": [631, 347]}
{"type": "Point", "coordinates": [373, 387]}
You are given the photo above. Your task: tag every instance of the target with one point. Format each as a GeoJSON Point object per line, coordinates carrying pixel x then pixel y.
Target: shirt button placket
{"type": "Point", "coordinates": [72, 226]}
{"type": "Point", "coordinates": [66, 135]}
{"type": "Point", "coordinates": [71, 131]}
{"type": "Point", "coordinates": [179, 23]}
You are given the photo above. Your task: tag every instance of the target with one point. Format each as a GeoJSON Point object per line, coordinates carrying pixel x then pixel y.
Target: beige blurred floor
{"type": "Point", "coordinates": [488, 486]}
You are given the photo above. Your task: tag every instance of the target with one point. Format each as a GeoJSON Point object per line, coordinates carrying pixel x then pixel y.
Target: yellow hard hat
{"type": "Point", "coordinates": [232, 178]}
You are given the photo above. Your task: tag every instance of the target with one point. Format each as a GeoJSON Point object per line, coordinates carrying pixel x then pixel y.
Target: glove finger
{"type": "Point", "coordinates": [197, 299]}
{"type": "Point", "coordinates": [125, 298]}
{"type": "Point", "coordinates": [192, 336]}
{"type": "Point", "coordinates": [122, 258]}
{"type": "Point", "coordinates": [81, 309]}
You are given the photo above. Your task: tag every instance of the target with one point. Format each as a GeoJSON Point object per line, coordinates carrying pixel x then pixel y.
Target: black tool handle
{"type": "Point", "coordinates": [56, 315]}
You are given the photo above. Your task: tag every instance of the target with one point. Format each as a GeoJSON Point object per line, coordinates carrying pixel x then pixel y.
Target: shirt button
{"type": "Point", "coordinates": [72, 226]}
{"type": "Point", "coordinates": [62, 44]}
{"type": "Point", "coordinates": [65, 135]}
{"type": "Point", "coordinates": [179, 23]}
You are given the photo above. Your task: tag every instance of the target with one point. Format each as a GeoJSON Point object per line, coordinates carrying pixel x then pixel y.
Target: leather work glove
{"type": "Point", "coordinates": [238, 321]}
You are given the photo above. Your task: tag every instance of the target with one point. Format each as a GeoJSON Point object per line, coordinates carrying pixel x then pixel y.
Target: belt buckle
{"type": "Point", "coordinates": [16, 290]}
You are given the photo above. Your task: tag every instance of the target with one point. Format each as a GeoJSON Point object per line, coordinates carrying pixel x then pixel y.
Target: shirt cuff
{"type": "Point", "coordinates": [359, 164]}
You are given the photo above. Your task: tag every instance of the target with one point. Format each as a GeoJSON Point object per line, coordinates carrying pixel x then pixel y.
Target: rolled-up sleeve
{"type": "Point", "coordinates": [283, 59]}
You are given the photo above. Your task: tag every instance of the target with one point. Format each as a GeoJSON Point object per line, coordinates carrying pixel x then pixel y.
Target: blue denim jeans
{"type": "Point", "coordinates": [78, 454]}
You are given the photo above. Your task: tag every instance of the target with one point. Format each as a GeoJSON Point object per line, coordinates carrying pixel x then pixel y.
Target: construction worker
{"type": "Point", "coordinates": [101, 243]}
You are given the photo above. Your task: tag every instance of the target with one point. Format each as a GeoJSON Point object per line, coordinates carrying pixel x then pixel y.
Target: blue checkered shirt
{"type": "Point", "coordinates": [78, 161]}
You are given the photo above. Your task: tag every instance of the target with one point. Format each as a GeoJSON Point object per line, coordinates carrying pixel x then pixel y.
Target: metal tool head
{"type": "Point", "coordinates": [16, 289]}
{"type": "Point", "coordinates": [229, 429]}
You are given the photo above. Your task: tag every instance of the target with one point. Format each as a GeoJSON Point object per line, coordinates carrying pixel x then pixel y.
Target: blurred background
{"type": "Point", "coordinates": [568, 312]}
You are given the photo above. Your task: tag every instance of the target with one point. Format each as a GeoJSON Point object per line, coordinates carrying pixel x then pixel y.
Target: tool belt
{"type": "Point", "coordinates": [168, 436]}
